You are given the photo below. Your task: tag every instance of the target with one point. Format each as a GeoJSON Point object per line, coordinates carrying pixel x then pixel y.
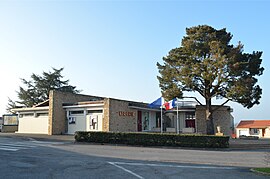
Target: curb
{"type": "Point", "coordinates": [33, 137]}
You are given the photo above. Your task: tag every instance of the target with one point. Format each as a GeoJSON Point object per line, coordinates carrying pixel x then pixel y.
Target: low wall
{"type": "Point", "coordinates": [9, 128]}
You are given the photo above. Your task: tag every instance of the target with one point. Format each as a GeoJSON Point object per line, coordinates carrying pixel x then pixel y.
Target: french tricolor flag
{"type": "Point", "coordinates": [171, 104]}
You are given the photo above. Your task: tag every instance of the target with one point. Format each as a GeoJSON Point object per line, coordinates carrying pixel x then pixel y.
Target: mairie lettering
{"type": "Point", "coordinates": [125, 113]}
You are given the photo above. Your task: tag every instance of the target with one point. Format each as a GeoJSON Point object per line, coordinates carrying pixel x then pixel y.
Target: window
{"type": "Point", "coordinates": [254, 131]}
{"type": "Point", "coordinates": [42, 114]}
{"type": "Point", "coordinates": [76, 112]}
{"type": "Point", "coordinates": [94, 111]}
{"type": "Point", "coordinates": [190, 120]}
{"type": "Point", "coordinates": [26, 115]}
{"type": "Point", "coordinates": [190, 116]}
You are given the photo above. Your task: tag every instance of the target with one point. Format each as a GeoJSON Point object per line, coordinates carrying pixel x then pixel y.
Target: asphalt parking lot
{"type": "Point", "coordinates": [43, 159]}
{"type": "Point", "coordinates": [28, 157]}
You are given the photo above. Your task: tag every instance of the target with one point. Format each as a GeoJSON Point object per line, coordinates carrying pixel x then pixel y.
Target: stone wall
{"type": "Point", "coordinates": [106, 115]}
{"type": "Point", "coordinates": [222, 117]}
{"type": "Point", "coordinates": [121, 117]}
{"type": "Point", "coordinates": [57, 115]}
{"type": "Point", "coordinates": [200, 122]}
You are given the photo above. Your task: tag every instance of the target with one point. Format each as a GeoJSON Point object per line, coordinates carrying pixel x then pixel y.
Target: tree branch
{"type": "Point", "coordinates": [193, 98]}
{"type": "Point", "coordinates": [221, 105]}
{"type": "Point", "coordinates": [199, 91]}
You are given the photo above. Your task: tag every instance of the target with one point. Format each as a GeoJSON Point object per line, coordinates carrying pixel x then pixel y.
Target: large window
{"type": "Point", "coordinates": [190, 120]}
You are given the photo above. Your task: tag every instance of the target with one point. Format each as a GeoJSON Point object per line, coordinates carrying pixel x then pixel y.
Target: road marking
{"type": "Point", "coordinates": [18, 145]}
{"type": "Point", "coordinates": [174, 166]}
{"type": "Point", "coordinates": [126, 170]}
{"type": "Point", "coordinates": [117, 164]}
{"type": "Point", "coordinates": [6, 144]}
{"type": "Point", "coordinates": [45, 142]}
{"type": "Point", "coordinates": [26, 145]}
{"type": "Point", "coordinates": [14, 147]}
{"type": "Point", "coordinates": [8, 149]}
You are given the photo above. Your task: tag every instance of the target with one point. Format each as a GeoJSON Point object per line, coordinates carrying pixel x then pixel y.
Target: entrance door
{"type": "Point", "coordinates": [139, 121]}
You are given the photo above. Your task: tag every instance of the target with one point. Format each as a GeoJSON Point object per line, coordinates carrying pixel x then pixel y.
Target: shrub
{"type": "Point", "coordinates": [262, 170]}
{"type": "Point", "coordinates": [154, 139]}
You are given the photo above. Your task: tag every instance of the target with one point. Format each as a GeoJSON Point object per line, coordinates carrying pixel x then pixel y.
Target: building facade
{"type": "Point", "coordinates": [66, 113]}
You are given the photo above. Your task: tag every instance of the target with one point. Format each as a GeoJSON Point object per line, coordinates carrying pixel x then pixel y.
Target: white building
{"type": "Point", "coordinates": [258, 128]}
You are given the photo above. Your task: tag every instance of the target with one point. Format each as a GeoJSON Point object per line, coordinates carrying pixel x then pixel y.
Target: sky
{"type": "Point", "coordinates": [110, 48]}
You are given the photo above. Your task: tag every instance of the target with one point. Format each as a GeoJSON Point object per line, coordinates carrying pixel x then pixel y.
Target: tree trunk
{"type": "Point", "coordinates": [209, 117]}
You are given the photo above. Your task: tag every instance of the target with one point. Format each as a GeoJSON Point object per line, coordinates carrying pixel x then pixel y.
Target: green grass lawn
{"type": "Point", "coordinates": [265, 170]}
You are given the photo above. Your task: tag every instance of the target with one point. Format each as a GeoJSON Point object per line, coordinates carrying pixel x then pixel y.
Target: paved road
{"type": "Point", "coordinates": [41, 159]}
{"type": "Point", "coordinates": [237, 158]}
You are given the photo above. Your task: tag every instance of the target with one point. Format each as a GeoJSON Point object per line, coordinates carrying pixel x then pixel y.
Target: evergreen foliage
{"type": "Point", "coordinates": [207, 63]}
{"type": "Point", "coordinates": [153, 139]}
{"type": "Point", "coordinates": [37, 89]}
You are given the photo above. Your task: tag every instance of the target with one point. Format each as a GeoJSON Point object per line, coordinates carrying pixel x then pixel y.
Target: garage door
{"type": "Point", "coordinates": [243, 133]}
{"type": "Point", "coordinates": [34, 125]}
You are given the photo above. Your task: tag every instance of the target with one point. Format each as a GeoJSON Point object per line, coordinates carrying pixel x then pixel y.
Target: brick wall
{"type": "Point", "coordinates": [57, 115]}
{"type": "Point", "coordinates": [222, 117]}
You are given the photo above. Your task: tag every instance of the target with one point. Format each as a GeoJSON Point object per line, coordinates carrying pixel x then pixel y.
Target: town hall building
{"type": "Point", "coordinates": [66, 113]}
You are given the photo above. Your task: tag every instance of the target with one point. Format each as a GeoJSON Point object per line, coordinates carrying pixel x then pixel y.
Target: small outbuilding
{"type": "Point", "coordinates": [256, 128]}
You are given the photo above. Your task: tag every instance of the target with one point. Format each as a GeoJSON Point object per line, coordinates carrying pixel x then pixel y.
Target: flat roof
{"type": "Point", "coordinates": [31, 109]}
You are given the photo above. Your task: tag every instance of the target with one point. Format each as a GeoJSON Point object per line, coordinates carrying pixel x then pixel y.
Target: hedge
{"type": "Point", "coordinates": [154, 139]}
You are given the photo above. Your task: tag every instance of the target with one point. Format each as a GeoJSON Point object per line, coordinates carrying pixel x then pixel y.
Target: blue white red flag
{"type": "Point", "coordinates": [157, 103]}
{"type": "Point", "coordinates": [171, 104]}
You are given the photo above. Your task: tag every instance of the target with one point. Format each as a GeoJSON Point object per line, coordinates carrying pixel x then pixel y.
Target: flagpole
{"type": "Point", "coordinates": [177, 120]}
{"type": "Point", "coordinates": [161, 119]}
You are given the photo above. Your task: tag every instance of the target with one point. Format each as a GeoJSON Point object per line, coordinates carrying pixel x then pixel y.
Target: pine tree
{"type": "Point", "coordinates": [37, 89]}
{"type": "Point", "coordinates": [207, 63]}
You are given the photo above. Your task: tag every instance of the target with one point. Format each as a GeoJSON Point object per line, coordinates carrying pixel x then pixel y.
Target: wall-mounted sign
{"type": "Point", "coordinates": [125, 113]}
{"type": "Point", "coordinates": [71, 120]}
{"type": "Point", "coordinates": [10, 119]}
